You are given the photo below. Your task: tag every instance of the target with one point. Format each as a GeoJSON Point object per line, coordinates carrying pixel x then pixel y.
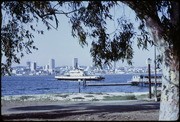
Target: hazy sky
{"type": "Point", "coordinates": [61, 46]}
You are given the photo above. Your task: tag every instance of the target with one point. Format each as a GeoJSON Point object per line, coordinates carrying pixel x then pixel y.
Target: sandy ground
{"type": "Point", "coordinates": [15, 109]}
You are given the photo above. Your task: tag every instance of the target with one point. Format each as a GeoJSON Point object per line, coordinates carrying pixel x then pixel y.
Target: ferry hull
{"type": "Point", "coordinates": [79, 78]}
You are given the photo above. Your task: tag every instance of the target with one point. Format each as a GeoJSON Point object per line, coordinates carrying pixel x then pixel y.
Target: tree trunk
{"type": "Point", "coordinates": [169, 105]}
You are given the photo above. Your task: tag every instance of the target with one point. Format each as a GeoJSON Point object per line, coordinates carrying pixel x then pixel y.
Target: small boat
{"type": "Point", "coordinates": [78, 74]}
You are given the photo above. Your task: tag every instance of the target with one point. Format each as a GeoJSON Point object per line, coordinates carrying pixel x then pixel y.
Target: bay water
{"type": "Point", "coordinates": [28, 85]}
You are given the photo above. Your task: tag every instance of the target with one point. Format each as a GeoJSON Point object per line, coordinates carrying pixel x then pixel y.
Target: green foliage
{"type": "Point", "coordinates": [19, 19]}
{"type": "Point", "coordinates": [104, 49]}
{"type": "Point", "coordinates": [128, 97]}
{"type": "Point", "coordinates": [77, 98]}
{"type": "Point", "coordinates": [162, 17]}
{"type": "Point", "coordinates": [143, 39]}
{"type": "Point", "coordinates": [62, 95]}
{"type": "Point", "coordinates": [143, 96]}
{"type": "Point", "coordinates": [88, 18]}
{"type": "Point", "coordinates": [89, 96]}
{"type": "Point", "coordinates": [22, 98]}
{"type": "Point", "coordinates": [94, 99]}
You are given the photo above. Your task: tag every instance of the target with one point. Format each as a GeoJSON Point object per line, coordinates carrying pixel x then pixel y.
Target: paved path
{"type": "Point", "coordinates": [97, 110]}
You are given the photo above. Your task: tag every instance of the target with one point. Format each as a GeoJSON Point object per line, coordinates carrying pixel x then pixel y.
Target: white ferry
{"type": "Point", "coordinates": [144, 79]}
{"type": "Point", "coordinates": [78, 74]}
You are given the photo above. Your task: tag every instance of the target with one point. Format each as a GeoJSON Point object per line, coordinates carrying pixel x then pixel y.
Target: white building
{"type": "Point", "coordinates": [28, 64]}
{"type": "Point", "coordinates": [46, 67]}
{"type": "Point", "coordinates": [33, 66]}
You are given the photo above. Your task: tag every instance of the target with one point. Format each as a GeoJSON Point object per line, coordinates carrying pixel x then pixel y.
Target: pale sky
{"type": "Point", "coordinates": [61, 46]}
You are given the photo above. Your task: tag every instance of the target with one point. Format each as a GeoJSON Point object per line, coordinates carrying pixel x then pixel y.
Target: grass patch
{"type": "Point", "coordinates": [62, 95]}
{"type": "Point", "coordinates": [99, 93]}
{"type": "Point", "coordinates": [142, 96]}
{"type": "Point", "coordinates": [89, 96]}
{"type": "Point", "coordinates": [96, 93]}
{"type": "Point", "coordinates": [77, 98]}
{"type": "Point", "coordinates": [25, 97]}
{"type": "Point", "coordinates": [128, 97]}
{"type": "Point", "coordinates": [94, 99]}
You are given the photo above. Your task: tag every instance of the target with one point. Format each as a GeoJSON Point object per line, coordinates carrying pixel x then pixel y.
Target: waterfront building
{"type": "Point", "coordinates": [14, 71]}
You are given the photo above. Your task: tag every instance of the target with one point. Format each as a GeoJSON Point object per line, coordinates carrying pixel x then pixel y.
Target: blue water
{"type": "Point", "coordinates": [26, 85]}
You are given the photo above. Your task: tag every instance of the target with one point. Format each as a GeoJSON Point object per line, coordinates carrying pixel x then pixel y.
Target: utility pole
{"type": "Point", "coordinates": [149, 72]}
{"type": "Point", "coordinates": [155, 78]}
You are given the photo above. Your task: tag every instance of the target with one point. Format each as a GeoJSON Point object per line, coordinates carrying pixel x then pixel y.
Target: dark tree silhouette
{"type": "Point", "coordinates": [89, 19]}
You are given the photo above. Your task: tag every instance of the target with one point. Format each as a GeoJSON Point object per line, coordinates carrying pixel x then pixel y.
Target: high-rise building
{"type": "Point", "coordinates": [51, 65]}
{"type": "Point", "coordinates": [33, 66]}
{"type": "Point", "coordinates": [75, 63]}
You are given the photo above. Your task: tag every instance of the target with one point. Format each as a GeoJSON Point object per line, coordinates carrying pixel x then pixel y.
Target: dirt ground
{"type": "Point", "coordinates": [129, 110]}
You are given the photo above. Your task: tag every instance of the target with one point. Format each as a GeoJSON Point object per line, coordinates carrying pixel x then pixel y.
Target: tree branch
{"type": "Point", "coordinates": [152, 19]}
{"type": "Point", "coordinates": [175, 13]}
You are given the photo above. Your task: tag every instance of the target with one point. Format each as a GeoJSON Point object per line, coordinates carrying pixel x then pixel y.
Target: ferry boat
{"type": "Point", "coordinates": [78, 74]}
{"type": "Point", "coordinates": [143, 80]}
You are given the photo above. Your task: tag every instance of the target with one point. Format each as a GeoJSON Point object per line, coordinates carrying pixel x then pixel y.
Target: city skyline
{"type": "Point", "coordinates": [32, 68]}
{"type": "Point", "coordinates": [50, 65]}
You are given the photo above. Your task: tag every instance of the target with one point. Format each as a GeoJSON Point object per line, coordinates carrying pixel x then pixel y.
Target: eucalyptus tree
{"type": "Point", "coordinates": [162, 20]}
{"type": "Point", "coordinates": [89, 19]}
{"type": "Point", "coordinates": [160, 17]}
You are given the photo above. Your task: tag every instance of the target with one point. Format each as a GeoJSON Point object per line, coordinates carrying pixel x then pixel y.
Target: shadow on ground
{"type": "Point", "coordinates": [60, 111]}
